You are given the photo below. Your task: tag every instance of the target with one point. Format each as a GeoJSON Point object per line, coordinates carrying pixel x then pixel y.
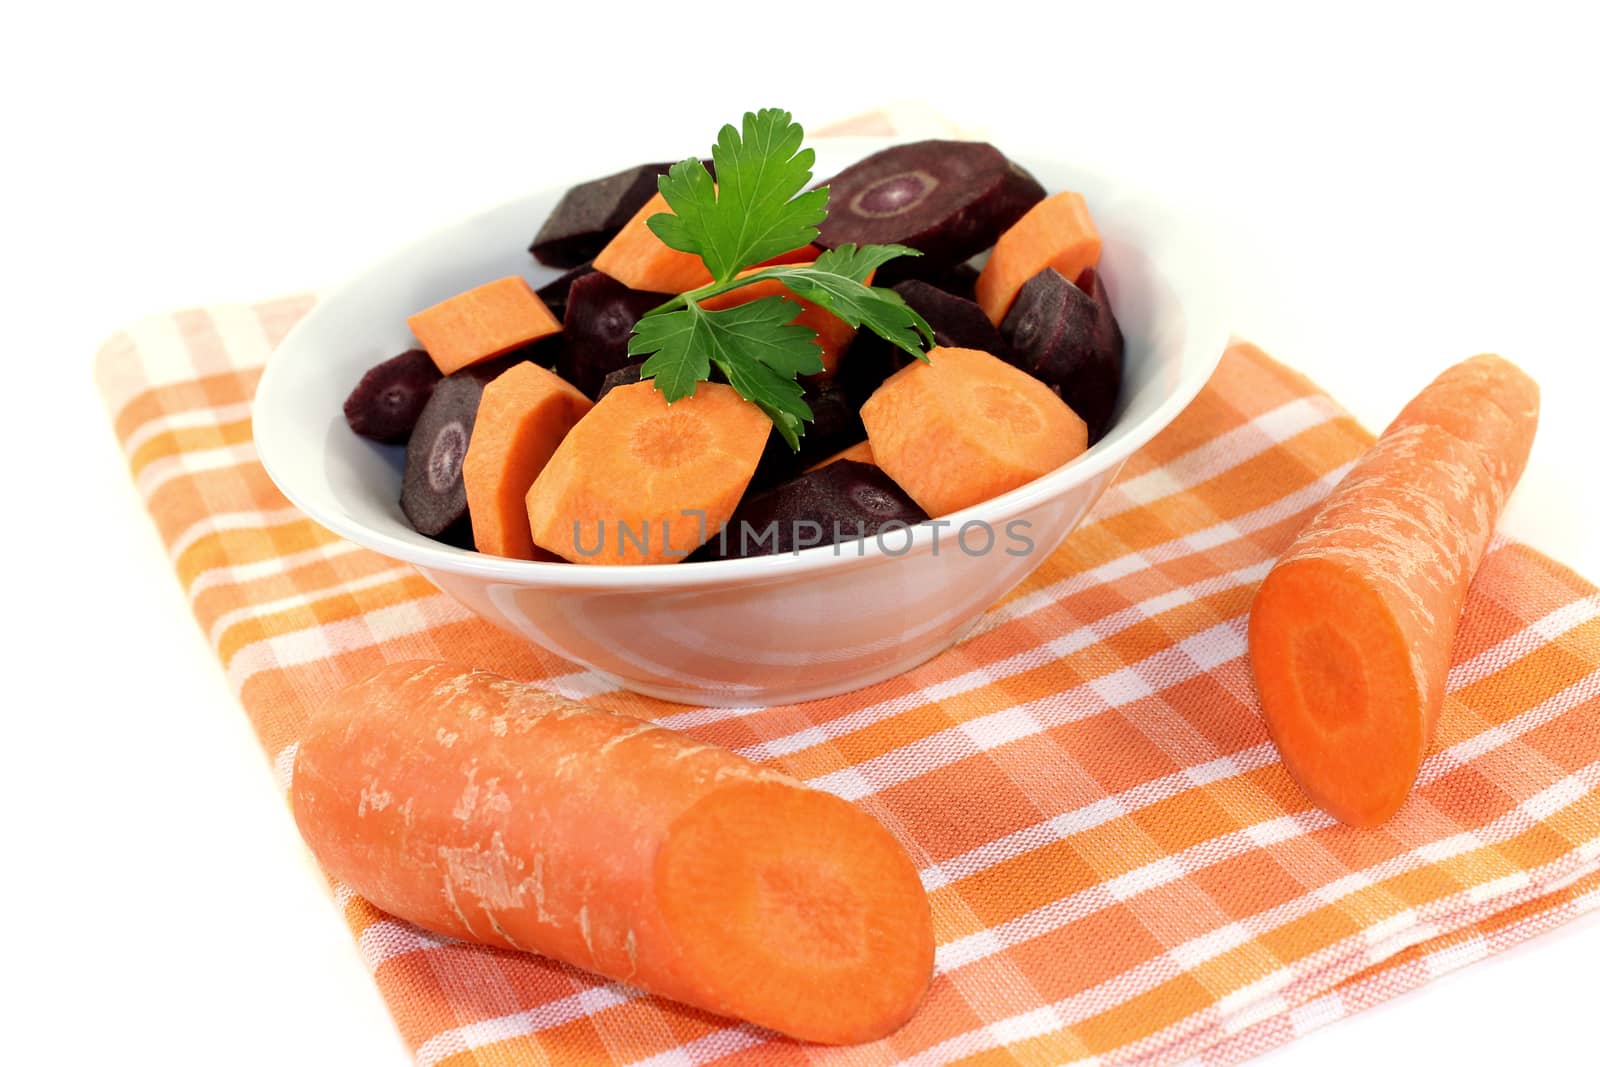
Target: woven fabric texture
{"type": "Point", "coordinates": [1120, 869]}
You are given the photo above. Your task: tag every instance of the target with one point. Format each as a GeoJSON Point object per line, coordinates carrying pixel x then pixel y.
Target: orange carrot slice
{"type": "Point", "coordinates": [524, 414]}
{"type": "Point", "coordinates": [637, 258]}
{"type": "Point", "coordinates": [1056, 232]}
{"type": "Point", "coordinates": [482, 323]}
{"type": "Point", "coordinates": [642, 481]}
{"type": "Point", "coordinates": [779, 895]}
{"type": "Point", "coordinates": [861, 453]}
{"type": "Point", "coordinates": [966, 426]}
{"type": "Point", "coordinates": [498, 812]}
{"type": "Point", "coordinates": [803, 254]}
{"type": "Point", "coordinates": [1350, 635]}
{"type": "Point", "coordinates": [833, 333]}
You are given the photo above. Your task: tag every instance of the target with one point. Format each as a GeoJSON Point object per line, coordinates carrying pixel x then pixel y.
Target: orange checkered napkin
{"type": "Point", "coordinates": [1120, 869]}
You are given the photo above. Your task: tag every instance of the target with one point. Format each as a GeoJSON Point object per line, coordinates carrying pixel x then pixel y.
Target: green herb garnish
{"type": "Point", "coordinates": [758, 208]}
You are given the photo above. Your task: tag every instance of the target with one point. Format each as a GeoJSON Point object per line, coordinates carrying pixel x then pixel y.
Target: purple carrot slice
{"type": "Point", "coordinates": [1068, 338]}
{"type": "Point", "coordinates": [432, 493]}
{"type": "Point", "coordinates": [1110, 349]}
{"type": "Point", "coordinates": [459, 535]}
{"type": "Point", "coordinates": [867, 364]}
{"type": "Point", "coordinates": [554, 292]}
{"type": "Point", "coordinates": [601, 313]}
{"type": "Point", "coordinates": [960, 280]}
{"type": "Point", "coordinates": [956, 323]}
{"type": "Point", "coordinates": [546, 352]}
{"type": "Point", "coordinates": [490, 369]}
{"type": "Point", "coordinates": [590, 214]}
{"type": "Point", "coordinates": [387, 401]}
{"type": "Point", "coordinates": [835, 424]}
{"type": "Point", "coordinates": [621, 376]}
{"type": "Point", "coordinates": [948, 199]}
{"type": "Point", "coordinates": [844, 501]}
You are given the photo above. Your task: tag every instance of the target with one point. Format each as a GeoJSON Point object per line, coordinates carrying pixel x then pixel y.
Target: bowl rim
{"type": "Point", "coordinates": [1204, 342]}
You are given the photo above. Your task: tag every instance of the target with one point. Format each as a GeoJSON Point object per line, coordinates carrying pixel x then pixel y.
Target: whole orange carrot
{"type": "Point", "coordinates": [493, 811]}
{"type": "Point", "coordinates": [1351, 633]}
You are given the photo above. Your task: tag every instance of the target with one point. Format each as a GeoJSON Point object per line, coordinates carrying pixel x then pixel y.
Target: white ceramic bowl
{"type": "Point", "coordinates": [768, 630]}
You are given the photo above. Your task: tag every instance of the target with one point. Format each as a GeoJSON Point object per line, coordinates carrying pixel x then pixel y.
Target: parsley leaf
{"type": "Point", "coordinates": [755, 209]}
{"type": "Point", "coordinates": [682, 350]}
{"type": "Point", "coordinates": [756, 345]}
{"type": "Point", "coordinates": [835, 284]}
{"type": "Point", "coordinates": [858, 262]}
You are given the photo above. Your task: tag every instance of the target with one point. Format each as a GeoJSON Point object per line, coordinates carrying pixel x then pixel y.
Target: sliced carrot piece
{"type": "Point", "coordinates": [860, 452]}
{"type": "Point", "coordinates": [780, 896]}
{"type": "Point", "coordinates": [1056, 232]}
{"type": "Point", "coordinates": [803, 254]}
{"type": "Point", "coordinates": [1351, 633]}
{"type": "Point", "coordinates": [637, 258]}
{"type": "Point", "coordinates": [833, 333]}
{"type": "Point", "coordinates": [482, 323]}
{"type": "Point", "coordinates": [966, 426]}
{"type": "Point", "coordinates": [524, 414]}
{"type": "Point", "coordinates": [642, 481]}
{"type": "Point", "coordinates": [497, 812]}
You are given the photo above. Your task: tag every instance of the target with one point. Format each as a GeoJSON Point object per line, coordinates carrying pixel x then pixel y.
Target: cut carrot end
{"type": "Point", "coordinates": [797, 911]}
{"type": "Point", "coordinates": [1351, 633]}
{"type": "Point", "coordinates": [1338, 689]}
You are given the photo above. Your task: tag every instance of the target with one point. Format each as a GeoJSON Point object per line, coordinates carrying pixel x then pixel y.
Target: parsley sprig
{"type": "Point", "coordinates": [757, 208]}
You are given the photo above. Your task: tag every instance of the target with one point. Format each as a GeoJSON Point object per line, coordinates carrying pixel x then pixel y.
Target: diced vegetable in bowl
{"type": "Point", "coordinates": [727, 362]}
{"type": "Point", "coordinates": [965, 383]}
{"type": "Point", "coordinates": [387, 401]}
{"type": "Point", "coordinates": [590, 214]}
{"type": "Point", "coordinates": [600, 316]}
{"type": "Point", "coordinates": [950, 200]}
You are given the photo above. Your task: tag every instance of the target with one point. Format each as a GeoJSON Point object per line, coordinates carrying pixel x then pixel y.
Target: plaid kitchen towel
{"type": "Point", "coordinates": [1120, 869]}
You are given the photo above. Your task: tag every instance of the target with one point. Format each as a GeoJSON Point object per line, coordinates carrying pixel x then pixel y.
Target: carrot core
{"type": "Point", "coordinates": [1328, 671]}
{"type": "Point", "coordinates": [811, 911]}
{"type": "Point", "coordinates": [669, 440]}
{"type": "Point", "coordinates": [1344, 705]}
{"type": "Point", "coordinates": [784, 898]}
{"type": "Point", "coordinates": [444, 463]}
{"type": "Point", "coordinates": [1008, 412]}
{"type": "Point", "coordinates": [891, 195]}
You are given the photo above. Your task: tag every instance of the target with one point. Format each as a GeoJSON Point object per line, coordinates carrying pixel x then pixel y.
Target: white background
{"type": "Point", "coordinates": [1395, 189]}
